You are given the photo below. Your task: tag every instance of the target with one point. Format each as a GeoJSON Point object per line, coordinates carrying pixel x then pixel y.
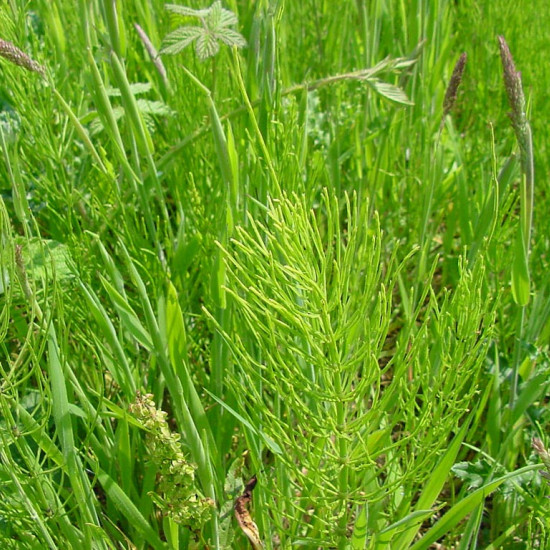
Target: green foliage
{"type": "Point", "coordinates": [177, 494]}
{"type": "Point", "coordinates": [305, 271]}
{"type": "Point", "coordinates": [148, 109]}
{"type": "Point", "coordinates": [312, 298]}
{"type": "Point", "coordinates": [216, 23]}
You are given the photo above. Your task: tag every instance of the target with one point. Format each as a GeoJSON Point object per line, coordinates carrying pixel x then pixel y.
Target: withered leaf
{"type": "Point", "coordinates": [244, 519]}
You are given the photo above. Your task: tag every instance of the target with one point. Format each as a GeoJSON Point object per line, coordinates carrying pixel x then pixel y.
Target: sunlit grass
{"type": "Point", "coordinates": [295, 262]}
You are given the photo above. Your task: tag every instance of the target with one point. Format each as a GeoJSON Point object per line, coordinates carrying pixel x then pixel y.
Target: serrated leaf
{"type": "Point", "coordinates": [404, 63]}
{"type": "Point", "coordinates": [157, 108]}
{"type": "Point", "coordinates": [472, 473]}
{"type": "Point", "coordinates": [179, 39]}
{"type": "Point", "coordinates": [185, 11]}
{"type": "Point", "coordinates": [231, 37]}
{"type": "Point", "coordinates": [41, 256]}
{"type": "Point", "coordinates": [214, 15]}
{"type": "Point", "coordinates": [391, 92]}
{"type": "Point", "coordinates": [227, 18]}
{"type": "Point", "coordinates": [96, 125]}
{"type": "Point", "coordinates": [136, 88]}
{"type": "Point", "coordinates": [206, 46]}
{"type": "Point", "coordinates": [233, 482]}
{"type": "Point", "coordinates": [140, 87]}
{"type": "Point", "coordinates": [216, 22]}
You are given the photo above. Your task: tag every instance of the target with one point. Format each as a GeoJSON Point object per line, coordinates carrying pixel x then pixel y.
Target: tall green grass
{"type": "Point", "coordinates": [278, 262]}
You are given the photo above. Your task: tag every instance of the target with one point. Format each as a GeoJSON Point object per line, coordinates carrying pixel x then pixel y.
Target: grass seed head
{"type": "Point", "coordinates": [452, 88]}
{"type": "Point", "coordinates": [15, 55]}
{"type": "Point", "coordinates": [514, 89]}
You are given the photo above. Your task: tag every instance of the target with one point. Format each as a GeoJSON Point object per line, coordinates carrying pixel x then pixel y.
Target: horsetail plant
{"type": "Point", "coordinates": [322, 320]}
{"type": "Point", "coordinates": [313, 301]}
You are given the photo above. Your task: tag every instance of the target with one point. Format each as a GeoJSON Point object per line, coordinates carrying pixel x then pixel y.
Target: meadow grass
{"type": "Point", "coordinates": [284, 283]}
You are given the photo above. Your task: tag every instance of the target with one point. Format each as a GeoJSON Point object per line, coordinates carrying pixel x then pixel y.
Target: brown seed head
{"type": "Point", "coordinates": [514, 88]}
{"type": "Point", "coordinates": [15, 55]}
{"type": "Point", "coordinates": [454, 83]}
{"type": "Point", "coordinates": [541, 450]}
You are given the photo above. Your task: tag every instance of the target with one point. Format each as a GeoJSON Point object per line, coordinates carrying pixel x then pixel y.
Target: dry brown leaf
{"type": "Point", "coordinates": [244, 519]}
